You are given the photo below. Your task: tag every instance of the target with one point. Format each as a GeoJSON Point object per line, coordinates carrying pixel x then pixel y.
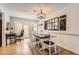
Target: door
{"type": "Point", "coordinates": [0, 33]}
{"type": "Point", "coordinates": [26, 31]}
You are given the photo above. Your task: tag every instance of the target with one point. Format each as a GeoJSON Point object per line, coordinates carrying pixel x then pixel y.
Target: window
{"type": "Point", "coordinates": [57, 23]}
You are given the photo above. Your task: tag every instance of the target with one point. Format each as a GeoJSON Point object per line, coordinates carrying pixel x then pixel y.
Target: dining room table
{"type": "Point", "coordinates": [10, 36]}
{"type": "Point", "coordinates": [46, 41]}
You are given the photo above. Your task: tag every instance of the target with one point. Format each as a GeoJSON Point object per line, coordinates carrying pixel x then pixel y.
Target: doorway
{"type": "Point", "coordinates": [26, 31]}
{"type": "Point", "coordinates": [0, 29]}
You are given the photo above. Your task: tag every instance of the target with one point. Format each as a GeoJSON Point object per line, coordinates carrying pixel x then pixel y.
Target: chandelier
{"type": "Point", "coordinates": [40, 12]}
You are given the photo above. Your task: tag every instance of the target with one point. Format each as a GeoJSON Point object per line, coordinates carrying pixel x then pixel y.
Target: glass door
{"type": "Point", "coordinates": [26, 31]}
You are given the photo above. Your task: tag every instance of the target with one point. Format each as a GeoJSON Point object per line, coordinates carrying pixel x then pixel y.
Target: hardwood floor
{"type": "Point", "coordinates": [23, 48]}
{"type": "Point", "coordinates": [20, 48]}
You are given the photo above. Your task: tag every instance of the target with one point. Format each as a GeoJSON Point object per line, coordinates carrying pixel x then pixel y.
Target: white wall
{"type": "Point", "coordinates": [19, 22]}
{"type": "Point", "coordinates": [66, 41]}
{"type": "Point", "coordinates": [70, 42]}
{"type": "Point", "coordinates": [5, 17]}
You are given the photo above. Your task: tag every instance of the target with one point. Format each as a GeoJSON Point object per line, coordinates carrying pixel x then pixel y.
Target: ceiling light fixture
{"type": "Point", "coordinates": [41, 12]}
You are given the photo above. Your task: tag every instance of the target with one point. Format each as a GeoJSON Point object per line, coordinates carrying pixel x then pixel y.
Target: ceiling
{"type": "Point", "coordinates": [27, 9]}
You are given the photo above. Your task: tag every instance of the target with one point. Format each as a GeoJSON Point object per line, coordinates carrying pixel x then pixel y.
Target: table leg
{"type": "Point", "coordinates": [55, 49]}
{"type": "Point", "coordinates": [6, 41]}
{"type": "Point", "coordinates": [15, 39]}
{"type": "Point", "coordinates": [49, 51]}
